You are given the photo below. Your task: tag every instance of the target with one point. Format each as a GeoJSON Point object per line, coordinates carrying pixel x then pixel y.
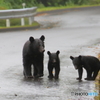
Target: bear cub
{"type": "Point", "coordinates": [53, 63]}
{"type": "Point", "coordinates": [90, 63]}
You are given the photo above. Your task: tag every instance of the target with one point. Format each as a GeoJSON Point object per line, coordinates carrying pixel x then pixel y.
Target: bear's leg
{"type": "Point", "coordinates": [27, 70]}
{"type": "Point", "coordinates": [38, 69]}
{"type": "Point", "coordinates": [80, 72]}
{"type": "Point", "coordinates": [89, 75]}
{"type": "Point", "coordinates": [57, 70]}
{"type": "Point", "coordinates": [95, 74]}
{"type": "Point", "coordinates": [35, 71]}
{"type": "Point", "coordinates": [50, 70]}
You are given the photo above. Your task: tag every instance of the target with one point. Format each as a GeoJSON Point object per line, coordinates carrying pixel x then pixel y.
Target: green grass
{"type": "Point", "coordinates": [63, 7]}
{"type": "Point", "coordinates": [19, 26]}
{"type": "Point", "coordinates": [17, 23]}
{"type": "Point", "coordinates": [13, 22]}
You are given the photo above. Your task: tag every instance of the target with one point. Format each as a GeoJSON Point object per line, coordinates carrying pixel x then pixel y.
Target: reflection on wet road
{"type": "Point", "coordinates": [72, 32]}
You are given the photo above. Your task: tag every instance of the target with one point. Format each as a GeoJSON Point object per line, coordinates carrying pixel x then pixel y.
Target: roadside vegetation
{"type": "Point", "coordinates": [17, 23]}
{"type": "Point", "coordinates": [14, 4]}
{"type": "Point", "coordinates": [97, 83]}
{"type": "Point", "coordinates": [43, 5]}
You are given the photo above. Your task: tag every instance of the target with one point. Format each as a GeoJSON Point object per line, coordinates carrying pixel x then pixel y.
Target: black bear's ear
{"type": "Point", "coordinates": [31, 39]}
{"type": "Point", "coordinates": [57, 52]}
{"type": "Point", "coordinates": [79, 56]}
{"type": "Point", "coordinates": [71, 57]}
{"type": "Point", "coordinates": [42, 38]}
{"type": "Point", "coordinates": [48, 52]}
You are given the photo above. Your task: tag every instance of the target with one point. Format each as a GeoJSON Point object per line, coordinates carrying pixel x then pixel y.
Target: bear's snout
{"type": "Point", "coordinates": [41, 50]}
{"type": "Point", "coordinates": [76, 67]}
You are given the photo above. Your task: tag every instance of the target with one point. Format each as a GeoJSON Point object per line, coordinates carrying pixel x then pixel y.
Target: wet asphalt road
{"type": "Point", "coordinates": [72, 32]}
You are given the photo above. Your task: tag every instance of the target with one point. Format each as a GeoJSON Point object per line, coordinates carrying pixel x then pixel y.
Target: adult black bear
{"type": "Point", "coordinates": [33, 55]}
{"type": "Point", "coordinates": [53, 63]}
{"type": "Point", "coordinates": [90, 63]}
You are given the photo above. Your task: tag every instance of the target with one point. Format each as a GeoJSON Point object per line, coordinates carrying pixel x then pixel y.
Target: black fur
{"type": "Point", "coordinates": [89, 63]}
{"type": "Point", "coordinates": [33, 56]}
{"type": "Point", "coordinates": [53, 63]}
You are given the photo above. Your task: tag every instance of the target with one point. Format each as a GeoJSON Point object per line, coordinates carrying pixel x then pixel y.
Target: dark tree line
{"type": "Point", "coordinates": [47, 3]}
